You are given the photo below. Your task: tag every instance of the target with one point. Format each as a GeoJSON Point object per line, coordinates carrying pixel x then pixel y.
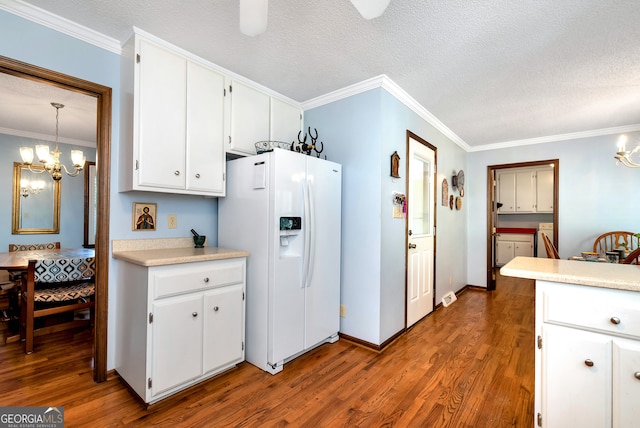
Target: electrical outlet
{"type": "Point", "coordinates": [343, 311]}
{"type": "Point", "coordinates": [172, 221]}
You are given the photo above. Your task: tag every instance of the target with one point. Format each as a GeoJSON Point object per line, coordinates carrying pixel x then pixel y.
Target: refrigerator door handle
{"type": "Point", "coordinates": [307, 231]}
{"type": "Point", "coordinates": [311, 255]}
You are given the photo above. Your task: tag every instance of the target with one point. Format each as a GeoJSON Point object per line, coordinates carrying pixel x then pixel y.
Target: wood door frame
{"type": "Point", "coordinates": [103, 152]}
{"type": "Point", "coordinates": [424, 142]}
{"type": "Point", "coordinates": [490, 187]}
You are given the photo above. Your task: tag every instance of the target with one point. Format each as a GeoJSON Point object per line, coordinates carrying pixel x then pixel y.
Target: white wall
{"type": "Point", "coordinates": [595, 195]}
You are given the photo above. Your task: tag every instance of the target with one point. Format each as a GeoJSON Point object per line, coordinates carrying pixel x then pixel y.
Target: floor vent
{"type": "Point", "coordinates": [449, 298]}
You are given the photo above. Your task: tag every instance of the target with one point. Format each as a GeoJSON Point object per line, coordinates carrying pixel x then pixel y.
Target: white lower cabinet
{"type": "Point", "coordinates": [178, 324]}
{"type": "Point", "coordinates": [587, 356]}
{"type": "Point", "coordinates": [510, 245]}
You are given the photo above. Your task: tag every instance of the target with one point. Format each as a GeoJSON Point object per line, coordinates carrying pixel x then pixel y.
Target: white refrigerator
{"type": "Point", "coordinates": [285, 209]}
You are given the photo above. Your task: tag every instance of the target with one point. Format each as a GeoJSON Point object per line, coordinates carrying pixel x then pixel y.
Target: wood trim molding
{"type": "Point", "coordinates": [103, 151]}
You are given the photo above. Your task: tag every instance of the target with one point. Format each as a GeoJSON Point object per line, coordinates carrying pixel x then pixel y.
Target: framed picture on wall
{"type": "Point", "coordinates": [144, 216]}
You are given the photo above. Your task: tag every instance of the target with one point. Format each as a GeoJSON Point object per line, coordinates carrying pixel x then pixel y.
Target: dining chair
{"type": "Point", "coordinates": [34, 247]}
{"type": "Point", "coordinates": [552, 252]}
{"type": "Point", "coordinates": [613, 240]}
{"type": "Point", "coordinates": [632, 258]}
{"type": "Point", "coordinates": [53, 287]}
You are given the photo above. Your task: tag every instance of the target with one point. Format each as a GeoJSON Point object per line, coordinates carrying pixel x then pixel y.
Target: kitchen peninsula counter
{"type": "Point", "coordinates": [595, 274]}
{"type": "Point", "coordinates": [161, 252]}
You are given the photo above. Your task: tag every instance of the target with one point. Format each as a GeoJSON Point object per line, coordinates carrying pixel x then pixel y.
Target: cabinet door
{"type": "Point", "coordinates": [223, 327]}
{"type": "Point", "coordinates": [626, 383]}
{"type": "Point", "coordinates": [507, 192]}
{"type": "Point", "coordinates": [161, 117]}
{"type": "Point", "coordinates": [525, 192]}
{"type": "Point", "coordinates": [205, 130]}
{"type": "Point", "coordinates": [504, 252]}
{"type": "Point", "coordinates": [544, 191]}
{"type": "Point", "coordinates": [249, 118]}
{"type": "Point", "coordinates": [286, 121]}
{"type": "Point", "coordinates": [176, 351]}
{"type": "Point", "coordinates": [523, 249]}
{"type": "Point", "coordinates": [576, 378]}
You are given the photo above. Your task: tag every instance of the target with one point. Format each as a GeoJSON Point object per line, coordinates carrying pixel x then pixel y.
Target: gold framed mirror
{"type": "Point", "coordinates": [36, 201]}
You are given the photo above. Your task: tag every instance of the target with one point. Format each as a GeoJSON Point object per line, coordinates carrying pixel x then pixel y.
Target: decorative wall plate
{"type": "Point", "coordinates": [450, 202]}
{"type": "Point", "coordinates": [458, 203]}
{"type": "Point", "coordinates": [461, 182]}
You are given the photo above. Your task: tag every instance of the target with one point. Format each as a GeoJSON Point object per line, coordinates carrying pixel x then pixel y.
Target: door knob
{"type": "Point", "coordinates": [412, 246]}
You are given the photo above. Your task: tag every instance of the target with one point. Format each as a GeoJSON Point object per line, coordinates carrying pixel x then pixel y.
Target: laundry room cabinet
{"type": "Point", "coordinates": [510, 245]}
{"type": "Point", "coordinates": [525, 191]}
{"type": "Point", "coordinates": [178, 324]}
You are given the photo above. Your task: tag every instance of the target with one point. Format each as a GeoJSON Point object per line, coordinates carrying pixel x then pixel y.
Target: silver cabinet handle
{"type": "Point", "coordinates": [206, 279]}
{"type": "Point", "coordinates": [412, 246]}
{"type": "Point", "coordinates": [615, 320]}
{"type": "Point", "coordinates": [194, 314]}
{"type": "Point", "coordinates": [197, 175]}
{"type": "Point", "coordinates": [637, 375]}
{"type": "Point", "coordinates": [177, 173]}
{"type": "Point", "coordinates": [588, 363]}
{"type": "Point", "coordinates": [215, 309]}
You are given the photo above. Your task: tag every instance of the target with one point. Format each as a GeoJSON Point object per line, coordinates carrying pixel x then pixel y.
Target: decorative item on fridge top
{"type": "Point", "coordinates": [268, 146]}
{"type": "Point", "coordinates": [303, 147]}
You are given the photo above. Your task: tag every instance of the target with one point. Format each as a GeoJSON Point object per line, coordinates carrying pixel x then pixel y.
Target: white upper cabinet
{"type": "Point", "coordinates": [286, 121]}
{"type": "Point", "coordinates": [525, 191]}
{"type": "Point", "coordinates": [173, 122]}
{"type": "Point", "coordinates": [248, 118]}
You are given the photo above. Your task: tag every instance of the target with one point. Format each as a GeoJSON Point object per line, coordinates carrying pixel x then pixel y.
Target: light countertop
{"type": "Point", "coordinates": [604, 275]}
{"type": "Point", "coordinates": [151, 252]}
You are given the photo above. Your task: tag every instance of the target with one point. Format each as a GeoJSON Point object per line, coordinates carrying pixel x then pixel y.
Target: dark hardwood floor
{"type": "Point", "coordinates": [468, 365]}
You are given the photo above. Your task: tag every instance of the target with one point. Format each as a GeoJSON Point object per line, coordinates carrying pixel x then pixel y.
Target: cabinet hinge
{"type": "Point", "coordinates": [539, 419]}
{"type": "Point", "coordinates": [243, 295]}
{"type": "Point", "coordinates": [229, 139]}
{"type": "Point", "coordinates": [243, 346]}
{"type": "Point", "coordinates": [137, 165]}
{"type": "Point", "coordinates": [150, 317]}
{"type": "Point", "coordinates": [224, 92]}
{"type": "Point", "coordinates": [224, 176]}
{"type": "Point", "coordinates": [138, 58]}
{"type": "Point", "coordinates": [230, 88]}
{"type": "Point", "coordinates": [149, 383]}
{"type": "Point", "coordinates": [539, 342]}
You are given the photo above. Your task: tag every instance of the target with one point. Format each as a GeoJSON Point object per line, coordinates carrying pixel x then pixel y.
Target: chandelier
{"type": "Point", "coordinates": [51, 159]}
{"type": "Point", "coordinates": [31, 187]}
{"type": "Point", "coordinates": [623, 156]}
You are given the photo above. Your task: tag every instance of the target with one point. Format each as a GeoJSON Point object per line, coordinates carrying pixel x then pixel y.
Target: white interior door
{"type": "Point", "coordinates": [420, 239]}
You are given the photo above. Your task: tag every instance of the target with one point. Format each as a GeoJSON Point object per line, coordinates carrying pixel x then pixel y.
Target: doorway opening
{"type": "Point", "coordinates": [103, 153]}
{"type": "Point", "coordinates": [511, 211]}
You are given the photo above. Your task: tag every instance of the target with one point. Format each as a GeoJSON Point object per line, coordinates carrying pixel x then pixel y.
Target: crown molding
{"type": "Point", "coordinates": [62, 25]}
{"type": "Point", "coordinates": [384, 82]}
{"type": "Point", "coordinates": [46, 137]}
{"type": "Point", "coordinates": [557, 138]}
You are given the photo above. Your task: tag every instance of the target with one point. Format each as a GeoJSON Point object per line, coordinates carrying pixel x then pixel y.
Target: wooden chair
{"type": "Point", "coordinates": [613, 240]}
{"type": "Point", "coordinates": [632, 258]}
{"type": "Point", "coordinates": [52, 287]}
{"type": "Point", "coordinates": [552, 252]}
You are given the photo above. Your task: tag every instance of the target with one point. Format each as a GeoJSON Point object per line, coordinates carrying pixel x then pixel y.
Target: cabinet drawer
{"type": "Point", "coordinates": [172, 280]}
{"type": "Point", "coordinates": [602, 310]}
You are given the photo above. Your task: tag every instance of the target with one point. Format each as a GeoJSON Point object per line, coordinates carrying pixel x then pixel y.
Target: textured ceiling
{"type": "Point", "coordinates": [491, 71]}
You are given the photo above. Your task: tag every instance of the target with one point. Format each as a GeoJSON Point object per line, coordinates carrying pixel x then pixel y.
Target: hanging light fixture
{"type": "Point", "coordinates": [253, 17]}
{"type": "Point", "coordinates": [623, 156]}
{"type": "Point", "coordinates": [370, 9]}
{"type": "Point", "coordinates": [51, 160]}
